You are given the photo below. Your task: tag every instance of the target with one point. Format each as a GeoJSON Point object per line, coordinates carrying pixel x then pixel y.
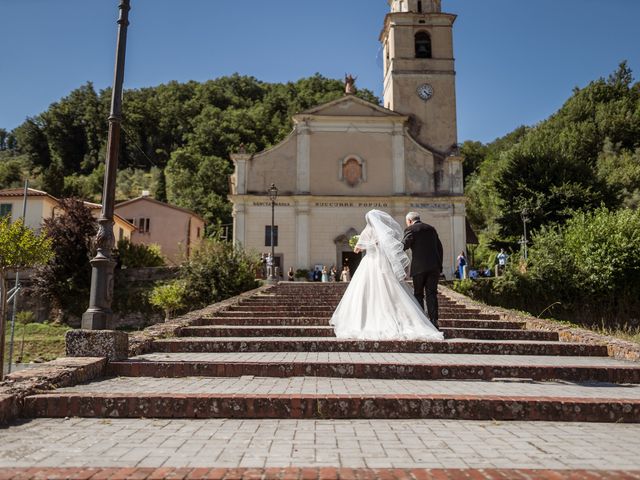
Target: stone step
{"type": "Point", "coordinates": [326, 398]}
{"type": "Point", "coordinates": [325, 312]}
{"type": "Point", "coordinates": [385, 368]}
{"type": "Point", "coordinates": [324, 321]}
{"type": "Point", "coordinates": [328, 331]}
{"type": "Point", "coordinates": [291, 321]}
{"type": "Point", "coordinates": [314, 344]}
{"type": "Point", "coordinates": [281, 308]}
{"type": "Point", "coordinates": [498, 324]}
{"type": "Point", "coordinates": [296, 306]}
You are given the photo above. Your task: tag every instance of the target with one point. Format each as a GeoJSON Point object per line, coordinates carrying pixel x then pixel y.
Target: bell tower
{"type": "Point", "coordinates": [419, 70]}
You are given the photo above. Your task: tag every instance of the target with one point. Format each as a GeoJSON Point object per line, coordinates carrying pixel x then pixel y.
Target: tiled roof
{"type": "Point", "coordinates": [19, 192]}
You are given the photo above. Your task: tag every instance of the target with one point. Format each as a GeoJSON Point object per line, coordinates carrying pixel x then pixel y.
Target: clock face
{"type": "Point", "coordinates": [425, 91]}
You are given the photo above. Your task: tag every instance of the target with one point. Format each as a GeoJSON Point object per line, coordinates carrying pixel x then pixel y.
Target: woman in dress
{"type": "Point", "coordinates": [461, 261]}
{"type": "Point", "coordinates": [325, 274]}
{"type": "Point", "coordinates": [377, 304]}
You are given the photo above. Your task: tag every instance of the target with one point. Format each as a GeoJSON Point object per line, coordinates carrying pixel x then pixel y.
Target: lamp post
{"type": "Point", "coordinates": [99, 312]}
{"type": "Point", "coordinates": [273, 196]}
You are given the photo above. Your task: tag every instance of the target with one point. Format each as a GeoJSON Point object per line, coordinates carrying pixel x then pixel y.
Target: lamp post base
{"type": "Point", "coordinates": [99, 314]}
{"type": "Point", "coordinates": [96, 319]}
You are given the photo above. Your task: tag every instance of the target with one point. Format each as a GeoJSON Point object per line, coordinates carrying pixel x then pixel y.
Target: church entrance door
{"type": "Point", "coordinates": [351, 260]}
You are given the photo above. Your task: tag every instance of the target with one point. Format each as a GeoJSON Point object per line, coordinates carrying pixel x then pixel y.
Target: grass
{"type": "Point", "coordinates": [628, 334]}
{"type": "Point", "coordinates": [42, 342]}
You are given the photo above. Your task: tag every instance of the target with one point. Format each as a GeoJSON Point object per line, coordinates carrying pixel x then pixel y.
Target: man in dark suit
{"type": "Point", "coordinates": [426, 262]}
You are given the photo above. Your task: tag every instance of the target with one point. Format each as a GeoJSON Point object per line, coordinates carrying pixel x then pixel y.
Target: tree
{"type": "Point", "coordinates": [474, 154]}
{"type": "Point", "coordinates": [52, 179]}
{"type": "Point", "coordinates": [66, 278]}
{"type": "Point", "coordinates": [161, 187]}
{"type": "Point", "coordinates": [20, 247]}
{"type": "Point", "coordinates": [199, 183]}
{"type": "Point", "coordinates": [4, 136]}
{"type": "Point", "coordinates": [33, 142]}
{"type": "Point", "coordinates": [11, 172]}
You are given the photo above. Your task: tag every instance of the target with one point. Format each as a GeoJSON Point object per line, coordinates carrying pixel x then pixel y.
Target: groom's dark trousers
{"type": "Point", "coordinates": [427, 281]}
{"type": "Point", "coordinates": [426, 265]}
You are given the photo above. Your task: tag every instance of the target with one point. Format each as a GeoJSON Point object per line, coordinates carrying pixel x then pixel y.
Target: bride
{"type": "Point", "coordinates": [377, 304]}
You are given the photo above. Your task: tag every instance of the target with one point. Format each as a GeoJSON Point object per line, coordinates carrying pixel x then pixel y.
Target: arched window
{"type": "Point", "coordinates": [423, 45]}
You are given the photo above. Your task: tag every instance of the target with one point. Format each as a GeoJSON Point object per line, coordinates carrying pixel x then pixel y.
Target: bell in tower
{"type": "Point", "coordinates": [415, 6]}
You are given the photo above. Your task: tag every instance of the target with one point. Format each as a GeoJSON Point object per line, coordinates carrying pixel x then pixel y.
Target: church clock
{"type": "Point", "coordinates": [425, 91]}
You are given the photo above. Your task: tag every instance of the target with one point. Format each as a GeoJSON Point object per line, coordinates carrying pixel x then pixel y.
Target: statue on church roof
{"type": "Point", "coordinates": [349, 84]}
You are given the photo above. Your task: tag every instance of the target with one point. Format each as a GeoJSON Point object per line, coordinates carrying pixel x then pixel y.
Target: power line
{"type": "Point", "coordinates": [138, 147]}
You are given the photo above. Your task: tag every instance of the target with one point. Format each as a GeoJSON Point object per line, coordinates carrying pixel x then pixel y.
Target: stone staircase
{"type": "Point", "coordinates": [274, 355]}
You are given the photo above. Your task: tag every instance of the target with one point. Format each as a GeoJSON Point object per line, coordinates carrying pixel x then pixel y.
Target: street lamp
{"type": "Point", "coordinates": [273, 196]}
{"type": "Point", "coordinates": [99, 312]}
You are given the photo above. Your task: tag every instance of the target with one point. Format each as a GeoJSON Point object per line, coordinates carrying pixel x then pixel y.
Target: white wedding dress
{"type": "Point", "coordinates": [378, 304]}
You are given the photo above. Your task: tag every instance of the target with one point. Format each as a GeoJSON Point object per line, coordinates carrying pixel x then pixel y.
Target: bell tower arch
{"type": "Point", "coordinates": [419, 70]}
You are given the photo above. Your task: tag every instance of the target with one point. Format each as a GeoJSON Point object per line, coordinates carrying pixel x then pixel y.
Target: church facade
{"type": "Point", "coordinates": [349, 156]}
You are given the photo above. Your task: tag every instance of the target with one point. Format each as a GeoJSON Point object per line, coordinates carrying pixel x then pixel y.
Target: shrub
{"type": "Point", "coordinates": [302, 273]}
{"type": "Point", "coordinates": [217, 270]}
{"type": "Point", "coordinates": [133, 255]}
{"type": "Point", "coordinates": [169, 297]}
{"type": "Point", "coordinates": [588, 270]}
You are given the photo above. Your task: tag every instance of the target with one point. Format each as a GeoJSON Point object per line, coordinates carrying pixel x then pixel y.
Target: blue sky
{"type": "Point", "coordinates": [517, 60]}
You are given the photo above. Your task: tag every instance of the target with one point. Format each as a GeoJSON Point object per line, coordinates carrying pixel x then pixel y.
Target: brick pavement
{"type": "Point", "coordinates": [311, 474]}
{"type": "Point", "coordinates": [344, 443]}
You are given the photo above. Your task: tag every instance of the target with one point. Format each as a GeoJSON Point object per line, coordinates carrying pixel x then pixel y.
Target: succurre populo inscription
{"type": "Point", "coordinates": [329, 204]}
{"type": "Point", "coordinates": [352, 204]}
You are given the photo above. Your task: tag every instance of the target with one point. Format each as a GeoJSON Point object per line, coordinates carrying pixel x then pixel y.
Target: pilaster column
{"type": "Point", "coordinates": [303, 237]}
{"type": "Point", "coordinates": [459, 228]}
{"type": "Point", "coordinates": [397, 148]}
{"type": "Point", "coordinates": [303, 162]}
{"type": "Point", "coordinates": [239, 233]}
{"type": "Point", "coordinates": [455, 175]}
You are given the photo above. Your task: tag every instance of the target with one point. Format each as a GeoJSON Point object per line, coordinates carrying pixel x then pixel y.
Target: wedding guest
{"type": "Point", "coordinates": [462, 262]}
{"type": "Point", "coordinates": [333, 273]}
{"type": "Point", "coordinates": [325, 274]}
{"type": "Point", "coordinates": [345, 276]}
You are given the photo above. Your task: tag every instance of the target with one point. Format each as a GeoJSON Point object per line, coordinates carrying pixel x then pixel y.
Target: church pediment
{"type": "Point", "coordinates": [349, 106]}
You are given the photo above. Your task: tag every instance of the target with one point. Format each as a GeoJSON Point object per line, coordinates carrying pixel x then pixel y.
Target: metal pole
{"type": "Point", "coordinates": [17, 284]}
{"type": "Point", "coordinates": [273, 255]}
{"type": "Point", "coordinates": [99, 312]}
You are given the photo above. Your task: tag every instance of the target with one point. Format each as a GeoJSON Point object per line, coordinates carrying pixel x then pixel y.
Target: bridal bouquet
{"type": "Point", "coordinates": [353, 241]}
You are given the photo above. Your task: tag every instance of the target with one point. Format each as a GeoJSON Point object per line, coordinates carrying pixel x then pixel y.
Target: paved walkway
{"type": "Point", "coordinates": [338, 443]}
